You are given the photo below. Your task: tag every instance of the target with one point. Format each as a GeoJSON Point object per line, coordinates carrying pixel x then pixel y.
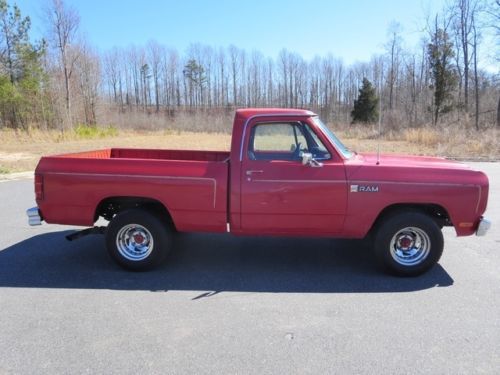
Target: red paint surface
{"type": "Point", "coordinates": [285, 198]}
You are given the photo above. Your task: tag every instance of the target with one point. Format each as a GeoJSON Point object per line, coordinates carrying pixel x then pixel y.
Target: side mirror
{"type": "Point", "coordinates": [307, 159]}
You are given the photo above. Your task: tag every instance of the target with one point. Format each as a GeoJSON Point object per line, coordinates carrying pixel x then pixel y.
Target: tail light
{"type": "Point", "coordinates": [39, 187]}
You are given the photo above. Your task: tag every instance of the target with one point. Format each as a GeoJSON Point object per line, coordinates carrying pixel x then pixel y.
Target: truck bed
{"type": "Point", "coordinates": [138, 153]}
{"type": "Point", "coordinates": [192, 185]}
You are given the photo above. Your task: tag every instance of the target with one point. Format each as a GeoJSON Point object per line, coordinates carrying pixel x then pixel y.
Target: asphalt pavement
{"type": "Point", "coordinates": [223, 304]}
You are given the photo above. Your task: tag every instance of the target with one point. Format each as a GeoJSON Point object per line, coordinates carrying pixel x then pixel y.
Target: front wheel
{"type": "Point", "coordinates": [137, 239]}
{"type": "Point", "coordinates": [408, 244]}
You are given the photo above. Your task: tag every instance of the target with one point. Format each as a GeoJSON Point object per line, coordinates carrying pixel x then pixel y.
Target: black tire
{"type": "Point", "coordinates": [408, 243]}
{"type": "Point", "coordinates": [138, 240]}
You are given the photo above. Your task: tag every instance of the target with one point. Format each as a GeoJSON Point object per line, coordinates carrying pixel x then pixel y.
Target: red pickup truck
{"type": "Point", "coordinates": [286, 174]}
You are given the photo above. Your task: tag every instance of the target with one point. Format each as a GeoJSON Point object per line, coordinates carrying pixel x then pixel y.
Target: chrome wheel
{"type": "Point", "coordinates": [134, 242]}
{"type": "Point", "coordinates": [410, 246]}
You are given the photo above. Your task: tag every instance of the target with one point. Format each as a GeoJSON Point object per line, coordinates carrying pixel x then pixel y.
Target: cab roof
{"type": "Point", "coordinates": [250, 112]}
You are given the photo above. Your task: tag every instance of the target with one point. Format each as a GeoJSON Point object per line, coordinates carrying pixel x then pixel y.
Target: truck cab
{"type": "Point", "coordinates": [290, 177]}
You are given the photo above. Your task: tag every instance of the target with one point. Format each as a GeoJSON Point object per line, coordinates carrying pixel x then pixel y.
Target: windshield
{"type": "Point", "coordinates": [333, 139]}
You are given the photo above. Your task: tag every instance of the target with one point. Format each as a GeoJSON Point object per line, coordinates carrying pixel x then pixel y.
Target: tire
{"type": "Point", "coordinates": [138, 240]}
{"type": "Point", "coordinates": [408, 243]}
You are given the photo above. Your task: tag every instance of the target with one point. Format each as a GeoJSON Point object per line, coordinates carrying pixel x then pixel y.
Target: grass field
{"type": "Point", "coordinates": [20, 151]}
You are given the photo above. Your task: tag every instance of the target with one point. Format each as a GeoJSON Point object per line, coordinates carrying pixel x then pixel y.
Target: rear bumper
{"type": "Point", "coordinates": [34, 217]}
{"type": "Point", "coordinates": [483, 227]}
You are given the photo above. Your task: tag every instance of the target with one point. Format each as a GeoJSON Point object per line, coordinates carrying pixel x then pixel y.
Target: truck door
{"type": "Point", "coordinates": [281, 195]}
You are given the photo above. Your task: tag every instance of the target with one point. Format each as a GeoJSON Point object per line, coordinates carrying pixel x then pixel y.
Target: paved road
{"type": "Point", "coordinates": [243, 305]}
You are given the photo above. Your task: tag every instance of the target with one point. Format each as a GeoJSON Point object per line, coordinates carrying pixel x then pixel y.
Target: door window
{"type": "Point", "coordinates": [284, 141]}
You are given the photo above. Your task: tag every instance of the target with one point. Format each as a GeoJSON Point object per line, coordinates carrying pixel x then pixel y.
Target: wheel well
{"type": "Point", "coordinates": [435, 211]}
{"type": "Point", "coordinates": [111, 206]}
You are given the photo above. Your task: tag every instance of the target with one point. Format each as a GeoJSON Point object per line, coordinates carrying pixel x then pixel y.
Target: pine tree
{"type": "Point", "coordinates": [365, 107]}
{"type": "Point", "coordinates": [21, 72]}
{"type": "Point", "coordinates": [444, 78]}
{"type": "Point", "coordinates": [195, 73]}
{"type": "Point", "coordinates": [14, 33]}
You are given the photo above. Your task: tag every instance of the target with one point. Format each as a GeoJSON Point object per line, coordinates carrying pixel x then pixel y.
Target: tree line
{"type": "Point", "coordinates": [61, 80]}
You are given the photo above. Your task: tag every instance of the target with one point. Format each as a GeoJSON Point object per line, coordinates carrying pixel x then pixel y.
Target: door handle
{"type": "Point", "coordinates": [249, 173]}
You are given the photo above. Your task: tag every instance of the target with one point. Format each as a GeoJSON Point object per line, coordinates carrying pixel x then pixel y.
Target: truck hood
{"type": "Point", "coordinates": [408, 169]}
{"type": "Point", "coordinates": [409, 161]}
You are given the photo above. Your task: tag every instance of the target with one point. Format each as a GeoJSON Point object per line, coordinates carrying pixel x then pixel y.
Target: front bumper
{"type": "Point", "coordinates": [483, 227]}
{"type": "Point", "coordinates": [34, 217]}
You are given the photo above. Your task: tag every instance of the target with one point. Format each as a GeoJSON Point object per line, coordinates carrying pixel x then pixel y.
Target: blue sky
{"type": "Point", "coordinates": [349, 29]}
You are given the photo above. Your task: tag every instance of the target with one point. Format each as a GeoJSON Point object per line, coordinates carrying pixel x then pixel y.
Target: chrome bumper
{"type": "Point", "coordinates": [483, 227]}
{"type": "Point", "coordinates": [34, 217]}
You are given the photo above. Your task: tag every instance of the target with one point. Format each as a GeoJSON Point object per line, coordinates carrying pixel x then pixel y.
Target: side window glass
{"type": "Point", "coordinates": [276, 141]}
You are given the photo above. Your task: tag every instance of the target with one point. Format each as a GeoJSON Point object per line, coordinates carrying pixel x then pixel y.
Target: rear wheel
{"type": "Point", "coordinates": [408, 244]}
{"type": "Point", "coordinates": [138, 240]}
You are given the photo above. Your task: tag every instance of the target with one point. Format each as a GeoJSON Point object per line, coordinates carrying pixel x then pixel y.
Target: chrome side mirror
{"type": "Point", "coordinates": [307, 159]}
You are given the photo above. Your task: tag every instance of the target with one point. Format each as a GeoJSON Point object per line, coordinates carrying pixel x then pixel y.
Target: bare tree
{"type": "Point", "coordinates": [135, 60]}
{"type": "Point", "coordinates": [87, 69]}
{"type": "Point", "coordinates": [475, 37]}
{"type": "Point", "coordinates": [63, 22]}
{"type": "Point", "coordinates": [222, 79]}
{"type": "Point", "coordinates": [493, 11]}
{"type": "Point", "coordinates": [270, 93]}
{"type": "Point", "coordinates": [236, 66]}
{"type": "Point", "coordinates": [155, 55]}
{"type": "Point", "coordinates": [463, 15]}
{"type": "Point", "coordinates": [111, 67]}
{"type": "Point", "coordinates": [394, 49]}
{"type": "Point", "coordinates": [171, 82]}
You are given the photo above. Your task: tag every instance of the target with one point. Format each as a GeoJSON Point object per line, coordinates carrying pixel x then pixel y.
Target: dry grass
{"type": "Point", "coordinates": [457, 143]}
{"type": "Point", "coordinates": [423, 136]}
{"type": "Point", "coordinates": [20, 151]}
{"type": "Point", "coordinates": [453, 142]}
